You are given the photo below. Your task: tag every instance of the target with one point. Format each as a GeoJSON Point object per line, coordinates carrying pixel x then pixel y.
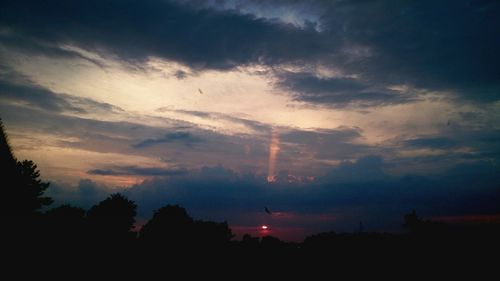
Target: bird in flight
{"type": "Point", "coordinates": [267, 210]}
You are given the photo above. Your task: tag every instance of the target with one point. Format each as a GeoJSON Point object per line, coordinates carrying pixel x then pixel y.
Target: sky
{"type": "Point", "coordinates": [328, 113]}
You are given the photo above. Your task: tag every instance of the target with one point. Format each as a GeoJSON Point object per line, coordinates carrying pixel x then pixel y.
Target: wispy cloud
{"type": "Point", "coordinates": [139, 171]}
{"type": "Point", "coordinates": [185, 138]}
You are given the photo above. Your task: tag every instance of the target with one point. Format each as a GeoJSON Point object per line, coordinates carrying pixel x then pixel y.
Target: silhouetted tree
{"type": "Point", "coordinates": [426, 228]}
{"type": "Point", "coordinates": [31, 187]}
{"type": "Point", "coordinates": [66, 215]}
{"type": "Point", "coordinates": [171, 225]}
{"type": "Point", "coordinates": [23, 189]}
{"type": "Point", "coordinates": [412, 221]}
{"type": "Point", "coordinates": [272, 243]}
{"type": "Point", "coordinates": [65, 222]}
{"type": "Point", "coordinates": [7, 160]}
{"type": "Point", "coordinates": [250, 242]}
{"type": "Point", "coordinates": [112, 218]}
{"type": "Point", "coordinates": [213, 234]}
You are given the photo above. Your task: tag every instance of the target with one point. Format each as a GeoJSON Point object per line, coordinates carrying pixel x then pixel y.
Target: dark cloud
{"type": "Point", "coordinates": [339, 92]}
{"type": "Point", "coordinates": [86, 193]}
{"type": "Point", "coordinates": [17, 88]}
{"type": "Point", "coordinates": [36, 96]}
{"type": "Point", "coordinates": [90, 105]}
{"type": "Point", "coordinates": [185, 138]}
{"type": "Point", "coordinates": [325, 144]}
{"type": "Point", "coordinates": [353, 191]}
{"type": "Point", "coordinates": [197, 37]}
{"type": "Point", "coordinates": [433, 45]}
{"type": "Point", "coordinates": [424, 44]}
{"type": "Point", "coordinates": [363, 189]}
{"type": "Point", "coordinates": [196, 113]}
{"type": "Point", "coordinates": [436, 142]}
{"type": "Point", "coordinates": [180, 74]}
{"type": "Point", "coordinates": [138, 171]}
{"type": "Point", "coordinates": [252, 124]}
{"type": "Point", "coordinates": [461, 140]}
{"type": "Point", "coordinates": [85, 133]}
{"type": "Point", "coordinates": [436, 45]}
{"type": "Point", "coordinates": [104, 172]}
{"type": "Point", "coordinates": [189, 144]}
{"type": "Point", "coordinates": [365, 169]}
{"type": "Point", "coordinates": [39, 46]}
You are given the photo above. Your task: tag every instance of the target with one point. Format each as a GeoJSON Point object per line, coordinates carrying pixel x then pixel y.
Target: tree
{"type": "Point", "coordinates": [209, 233]}
{"type": "Point", "coordinates": [23, 189]}
{"type": "Point", "coordinates": [170, 225]}
{"type": "Point", "coordinates": [31, 187]}
{"type": "Point", "coordinates": [66, 216]}
{"type": "Point", "coordinates": [7, 160]}
{"type": "Point", "coordinates": [113, 217]}
{"type": "Point", "coordinates": [65, 223]}
{"type": "Point", "coordinates": [412, 221]}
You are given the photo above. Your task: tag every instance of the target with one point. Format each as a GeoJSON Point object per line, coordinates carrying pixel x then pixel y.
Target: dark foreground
{"type": "Point", "coordinates": [445, 252]}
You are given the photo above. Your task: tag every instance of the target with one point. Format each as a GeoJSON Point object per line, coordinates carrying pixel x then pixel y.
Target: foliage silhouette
{"type": "Point", "coordinates": [417, 226]}
{"type": "Point", "coordinates": [249, 242]}
{"type": "Point", "coordinates": [411, 221]}
{"type": "Point", "coordinates": [32, 187]}
{"type": "Point", "coordinates": [213, 234]}
{"type": "Point", "coordinates": [7, 159]}
{"type": "Point", "coordinates": [66, 215]}
{"type": "Point", "coordinates": [22, 184]}
{"type": "Point", "coordinates": [112, 218]}
{"type": "Point", "coordinates": [65, 223]}
{"type": "Point", "coordinates": [170, 226]}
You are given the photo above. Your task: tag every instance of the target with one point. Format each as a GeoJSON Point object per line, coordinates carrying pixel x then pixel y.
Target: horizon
{"type": "Point", "coordinates": [303, 116]}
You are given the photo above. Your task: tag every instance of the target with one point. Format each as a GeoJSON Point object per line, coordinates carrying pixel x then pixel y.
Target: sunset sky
{"type": "Point", "coordinates": [328, 113]}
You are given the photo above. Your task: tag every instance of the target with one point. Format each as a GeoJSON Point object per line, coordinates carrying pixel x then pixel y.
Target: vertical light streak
{"type": "Point", "coordinates": [274, 148]}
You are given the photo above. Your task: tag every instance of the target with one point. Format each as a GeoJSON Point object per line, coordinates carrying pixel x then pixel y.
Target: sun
{"type": "Point", "coordinates": [264, 227]}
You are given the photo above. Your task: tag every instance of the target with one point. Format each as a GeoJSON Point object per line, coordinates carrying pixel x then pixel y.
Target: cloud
{"type": "Point", "coordinates": [14, 87]}
{"type": "Point", "coordinates": [85, 194]}
{"type": "Point", "coordinates": [428, 45]}
{"type": "Point", "coordinates": [323, 144]}
{"type": "Point", "coordinates": [436, 142]}
{"type": "Point", "coordinates": [339, 92]}
{"type": "Point", "coordinates": [258, 127]}
{"type": "Point", "coordinates": [139, 171]}
{"type": "Point", "coordinates": [200, 38]}
{"type": "Point", "coordinates": [364, 193]}
{"type": "Point", "coordinates": [179, 74]}
{"type": "Point", "coordinates": [185, 138]}
{"type": "Point", "coordinates": [37, 47]}
{"type": "Point", "coordinates": [36, 96]}
{"type": "Point", "coordinates": [365, 169]}
{"type": "Point", "coordinates": [338, 200]}
{"type": "Point", "coordinates": [340, 134]}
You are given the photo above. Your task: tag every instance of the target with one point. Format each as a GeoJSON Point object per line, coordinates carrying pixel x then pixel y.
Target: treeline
{"type": "Point", "coordinates": [105, 232]}
{"type": "Point", "coordinates": [111, 221]}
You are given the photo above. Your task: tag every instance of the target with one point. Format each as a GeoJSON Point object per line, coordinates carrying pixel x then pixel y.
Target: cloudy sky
{"type": "Point", "coordinates": [327, 112]}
